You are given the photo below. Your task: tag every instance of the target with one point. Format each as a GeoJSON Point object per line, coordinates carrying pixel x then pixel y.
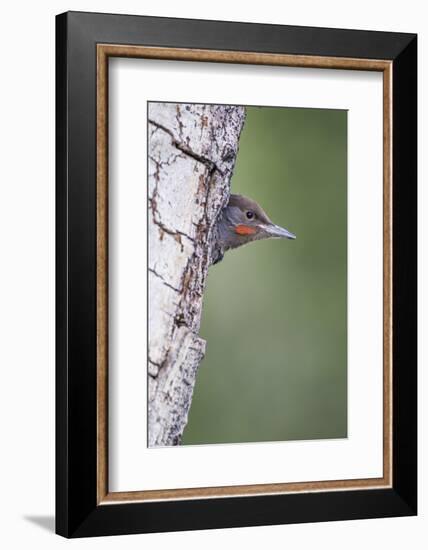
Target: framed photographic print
{"type": "Point", "coordinates": [236, 274]}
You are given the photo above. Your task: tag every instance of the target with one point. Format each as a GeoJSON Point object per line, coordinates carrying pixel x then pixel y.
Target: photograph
{"type": "Point", "coordinates": [247, 262]}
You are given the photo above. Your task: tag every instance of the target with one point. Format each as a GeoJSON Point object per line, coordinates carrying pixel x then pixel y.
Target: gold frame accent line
{"type": "Point", "coordinates": [102, 275]}
{"type": "Point", "coordinates": [104, 51]}
{"type": "Point", "coordinates": [387, 274]}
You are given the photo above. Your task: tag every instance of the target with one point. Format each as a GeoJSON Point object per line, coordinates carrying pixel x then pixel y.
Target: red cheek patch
{"type": "Point", "coordinates": [245, 230]}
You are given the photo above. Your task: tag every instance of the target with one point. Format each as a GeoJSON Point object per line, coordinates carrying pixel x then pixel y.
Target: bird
{"type": "Point", "coordinates": [240, 222]}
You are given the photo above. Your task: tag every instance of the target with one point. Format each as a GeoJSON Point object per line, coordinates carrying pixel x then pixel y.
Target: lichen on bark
{"type": "Point", "coordinates": [192, 151]}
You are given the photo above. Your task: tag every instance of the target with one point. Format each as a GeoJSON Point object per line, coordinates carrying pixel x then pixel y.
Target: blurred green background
{"type": "Point", "coordinates": [275, 316]}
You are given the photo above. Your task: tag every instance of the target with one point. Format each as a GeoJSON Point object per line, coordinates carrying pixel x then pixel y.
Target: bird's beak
{"type": "Point", "coordinates": [279, 232]}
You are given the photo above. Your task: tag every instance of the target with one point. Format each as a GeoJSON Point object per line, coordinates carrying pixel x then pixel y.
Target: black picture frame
{"type": "Point", "coordinates": [77, 511]}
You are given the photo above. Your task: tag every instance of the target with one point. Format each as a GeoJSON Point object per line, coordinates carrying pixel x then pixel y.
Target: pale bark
{"type": "Point", "coordinates": [192, 153]}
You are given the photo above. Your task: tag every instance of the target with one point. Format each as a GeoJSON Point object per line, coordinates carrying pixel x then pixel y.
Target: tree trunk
{"type": "Point", "coordinates": [192, 153]}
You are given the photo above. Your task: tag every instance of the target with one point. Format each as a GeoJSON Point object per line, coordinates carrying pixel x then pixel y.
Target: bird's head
{"type": "Point", "coordinates": [244, 221]}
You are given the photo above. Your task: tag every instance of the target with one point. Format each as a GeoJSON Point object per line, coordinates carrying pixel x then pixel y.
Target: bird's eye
{"type": "Point", "coordinates": [250, 214]}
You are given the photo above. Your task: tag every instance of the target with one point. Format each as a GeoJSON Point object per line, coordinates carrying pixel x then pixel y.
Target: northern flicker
{"type": "Point", "coordinates": [240, 222]}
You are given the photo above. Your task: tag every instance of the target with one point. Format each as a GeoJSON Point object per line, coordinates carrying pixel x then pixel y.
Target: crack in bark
{"type": "Point", "coordinates": [159, 365]}
{"type": "Point", "coordinates": [176, 233]}
{"type": "Point", "coordinates": [178, 290]}
{"type": "Point", "coordinates": [168, 162]}
{"type": "Point", "coordinates": [186, 149]}
{"type": "Point", "coordinates": [179, 121]}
